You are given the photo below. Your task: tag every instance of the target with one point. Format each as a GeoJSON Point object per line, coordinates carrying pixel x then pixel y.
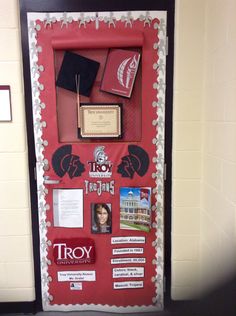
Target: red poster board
{"type": "Point", "coordinates": [126, 270]}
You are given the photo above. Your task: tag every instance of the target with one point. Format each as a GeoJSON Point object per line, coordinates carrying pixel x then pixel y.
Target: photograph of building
{"type": "Point", "coordinates": [135, 208]}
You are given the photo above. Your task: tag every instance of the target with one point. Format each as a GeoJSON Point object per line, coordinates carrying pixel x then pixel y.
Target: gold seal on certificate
{"type": "Point", "coordinates": [99, 120]}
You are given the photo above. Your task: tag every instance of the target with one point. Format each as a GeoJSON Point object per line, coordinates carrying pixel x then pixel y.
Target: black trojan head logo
{"type": "Point", "coordinates": [64, 162]}
{"type": "Point", "coordinates": [137, 161]}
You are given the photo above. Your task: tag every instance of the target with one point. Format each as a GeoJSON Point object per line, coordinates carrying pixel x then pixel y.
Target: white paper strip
{"type": "Point", "coordinates": [128, 260]}
{"type": "Point", "coordinates": [128, 240]}
{"type": "Point", "coordinates": [128, 285]}
{"type": "Point", "coordinates": [130, 272]}
{"type": "Point", "coordinates": [124, 251]}
{"type": "Point", "coordinates": [64, 276]}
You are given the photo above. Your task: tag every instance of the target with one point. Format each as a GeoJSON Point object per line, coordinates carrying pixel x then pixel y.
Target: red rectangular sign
{"type": "Point", "coordinates": [74, 251]}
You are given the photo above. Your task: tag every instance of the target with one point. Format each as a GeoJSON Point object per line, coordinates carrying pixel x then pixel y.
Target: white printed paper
{"type": "Point", "coordinates": [68, 207]}
{"type": "Point", "coordinates": [130, 272]}
{"type": "Point", "coordinates": [128, 260]}
{"type": "Point", "coordinates": [64, 276]}
{"type": "Point", "coordinates": [128, 240]}
{"type": "Point", "coordinates": [128, 285]}
{"type": "Point", "coordinates": [124, 251]}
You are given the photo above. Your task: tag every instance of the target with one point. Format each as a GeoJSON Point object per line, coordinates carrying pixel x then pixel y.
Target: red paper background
{"type": "Point", "coordinates": [101, 291]}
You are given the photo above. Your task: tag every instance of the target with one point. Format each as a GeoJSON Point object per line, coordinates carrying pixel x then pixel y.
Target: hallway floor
{"type": "Point", "coordinates": [90, 313]}
{"type": "Point", "coordinates": [220, 302]}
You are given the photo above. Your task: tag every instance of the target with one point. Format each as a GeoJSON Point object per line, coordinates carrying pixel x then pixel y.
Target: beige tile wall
{"type": "Point", "coordinates": [16, 259]}
{"type": "Point", "coordinates": [187, 147]}
{"type": "Point", "coordinates": [218, 205]}
{"type": "Point", "coordinates": [204, 152]}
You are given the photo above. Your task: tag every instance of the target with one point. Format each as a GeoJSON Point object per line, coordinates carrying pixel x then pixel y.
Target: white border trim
{"type": "Point", "coordinates": [104, 308]}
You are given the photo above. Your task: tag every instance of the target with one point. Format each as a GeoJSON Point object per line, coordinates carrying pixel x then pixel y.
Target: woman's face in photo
{"type": "Point", "coordinates": [102, 216]}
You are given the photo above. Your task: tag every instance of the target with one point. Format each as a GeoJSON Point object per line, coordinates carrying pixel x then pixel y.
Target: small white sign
{"type": "Point", "coordinates": [128, 285]}
{"type": "Point", "coordinates": [64, 276]}
{"type": "Point", "coordinates": [128, 240]}
{"type": "Point", "coordinates": [76, 286]}
{"type": "Point", "coordinates": [5, 104]}
{"type": "Point", "coordinates": [124, 251]}
{"type": "Point", "coordinates": [128, 260]}
{"type": "Point", "coordinates": [130, 272]}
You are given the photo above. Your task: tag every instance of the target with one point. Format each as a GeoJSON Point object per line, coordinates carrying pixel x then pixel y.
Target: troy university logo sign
{"type": "Point", "coordinates": [100, 167]}
{"type": "Point", "coordinates": [73, 251]}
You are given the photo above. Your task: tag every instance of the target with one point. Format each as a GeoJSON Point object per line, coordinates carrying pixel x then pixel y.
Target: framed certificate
{"type": "Point", "coordinates": [99, 120]}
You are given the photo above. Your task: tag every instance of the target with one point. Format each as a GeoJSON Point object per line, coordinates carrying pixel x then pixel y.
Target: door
{"type": "Point", "coordinates": [99, 149]}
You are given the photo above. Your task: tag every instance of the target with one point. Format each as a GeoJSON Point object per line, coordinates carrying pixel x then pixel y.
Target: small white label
{"type": "Point", "coordinates": [123, 251]}
{"type": "Point", "coordinates": [130, 272]}
{"type": "Point", "coordinates": [5, 104]}
{"type": "Point", "coordinates": [128, 240]}
{"type": "Point", "coordinates": [64, 276]}
{"type": "Point", "coordinates": [128, 285]}
{"type": "Point", "coordinates": [76, 286]}
{"type": "Point", "coordinates": [128, 260]}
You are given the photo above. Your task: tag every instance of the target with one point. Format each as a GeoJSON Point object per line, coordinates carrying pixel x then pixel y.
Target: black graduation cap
{"type": "Point", "coordinates": [74, 65]}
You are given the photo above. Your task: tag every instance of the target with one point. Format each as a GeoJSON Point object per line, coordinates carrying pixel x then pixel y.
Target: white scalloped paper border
{"type": "Point", "coordinates": [159, 85]}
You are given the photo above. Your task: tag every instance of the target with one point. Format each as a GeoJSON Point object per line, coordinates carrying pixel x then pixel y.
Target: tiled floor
{"type": "Point", "coordinates": [100, 314]}
{"type": "Point", "coordinates": [220, 302]}
{"type": "Point", "coordinates": [165, 313]}
{"type": "Point", "coordinates": [176, 311]}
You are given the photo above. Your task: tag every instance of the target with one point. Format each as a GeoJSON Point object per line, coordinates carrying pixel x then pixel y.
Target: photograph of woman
{"type": "Point", "coordinates": [101, 218]}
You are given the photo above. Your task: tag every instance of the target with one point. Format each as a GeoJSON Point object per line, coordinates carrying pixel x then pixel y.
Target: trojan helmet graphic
{"type": "Point", "coordinates": [137, 161]}
{"type": "Point", "coordinates": [63, 161]}
{"type": "Point", "coordinates": [99, 155]}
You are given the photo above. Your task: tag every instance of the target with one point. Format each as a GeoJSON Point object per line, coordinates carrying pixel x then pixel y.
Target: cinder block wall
{"type": "Point", "coordinates": [204, 151]}
{"type": "Point", "coordinates": [16, 259]}
{"type": "Point", "coordinates": [187, 147]}
{"type": "Point", "coordinates": [218, 189]}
